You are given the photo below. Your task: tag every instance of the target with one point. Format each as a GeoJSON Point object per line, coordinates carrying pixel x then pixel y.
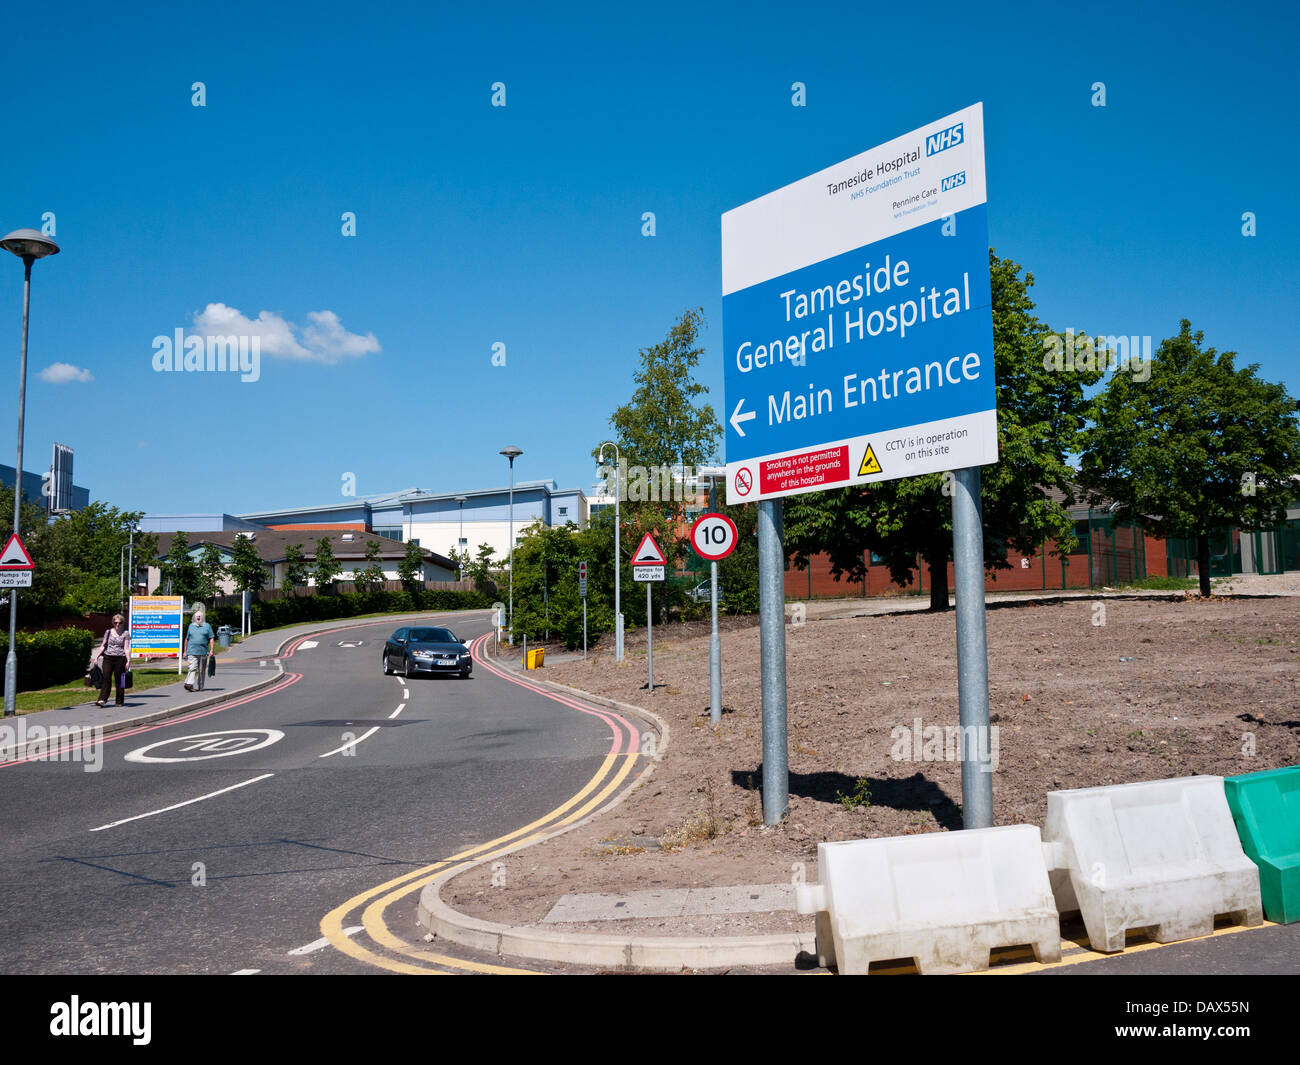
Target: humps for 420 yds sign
{"type": "Point", "coordinates": [857, 321]}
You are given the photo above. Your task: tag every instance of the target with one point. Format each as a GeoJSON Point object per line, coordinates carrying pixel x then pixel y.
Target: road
{"type": "Point", "coordinates": [220, 845]}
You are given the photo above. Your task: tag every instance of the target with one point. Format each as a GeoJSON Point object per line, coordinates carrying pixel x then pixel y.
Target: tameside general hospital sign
{"type": "Point", "coordinates": [857, 320]}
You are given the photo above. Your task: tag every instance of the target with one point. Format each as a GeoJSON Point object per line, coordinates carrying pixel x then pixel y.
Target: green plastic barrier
{"type": "Point", "coordinates": [1266, 809]}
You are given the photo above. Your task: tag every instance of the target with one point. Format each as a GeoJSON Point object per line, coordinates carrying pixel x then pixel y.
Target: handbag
{"type": "Point", "coordinates": [95, 677]}
{"type": "Point", "coordinates": [127, 679]}
{"type": "Point", "coordinates": [212, 665]}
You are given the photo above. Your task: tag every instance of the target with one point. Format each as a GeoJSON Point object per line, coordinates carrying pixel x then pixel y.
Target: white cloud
{"type": "Point", "coordinates": [60, 373]}
{"type": "Point", "coordinates": [323, 340]}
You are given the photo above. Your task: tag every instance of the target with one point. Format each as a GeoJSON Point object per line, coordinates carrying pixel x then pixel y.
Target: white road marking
{"type": "Point", "coordinates": [400, 708]}
{"type": "Point", "coordinates": [322, 943]}
{"type": "Point", "coordinates": [187, 802]}
{"type": "Point", "coordinates": [210, 741]}
{"type": "Point", "coordinates": [352, 743]}
{"type": "Point", "coordinates": [246, 972]}
{"type": "Point", "coordinates": [405, 694]}
{"type": "Point", "coordinates": [307, 644]}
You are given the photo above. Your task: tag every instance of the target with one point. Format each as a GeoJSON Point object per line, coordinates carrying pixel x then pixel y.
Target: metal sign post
{"type": "Point", "coordinates": [714, 537]}
{"type": "Point", "coordinates": [648, 564]}
{"type": "Point", "coordinates": [582, 591]}
{"type": "Point", "coordinates": [771, 628]}
{"type": "Point", "coordinates": [972, 650]}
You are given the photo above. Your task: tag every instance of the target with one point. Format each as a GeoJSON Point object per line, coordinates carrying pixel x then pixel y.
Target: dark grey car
{"type": "Point", "coordinates": [417, 649]}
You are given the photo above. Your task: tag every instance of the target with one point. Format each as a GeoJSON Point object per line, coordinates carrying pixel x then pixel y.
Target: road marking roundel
{"type": "Point", "coordinates": [207, 745]}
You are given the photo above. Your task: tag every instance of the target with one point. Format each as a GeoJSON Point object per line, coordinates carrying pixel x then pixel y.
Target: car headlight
{"type": "Point", "coordinates": [423, 654]}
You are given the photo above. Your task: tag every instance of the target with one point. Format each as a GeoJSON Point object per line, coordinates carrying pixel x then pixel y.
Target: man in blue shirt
{"type": "Point", "coordinates": [198, 645]}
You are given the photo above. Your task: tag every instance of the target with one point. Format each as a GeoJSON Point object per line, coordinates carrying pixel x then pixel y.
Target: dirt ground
{"type": "Point", "coordinates": [1083, 692]}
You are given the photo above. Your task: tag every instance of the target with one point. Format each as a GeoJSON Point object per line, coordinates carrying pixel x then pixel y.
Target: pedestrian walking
{"type": "Point", "coordinates": [114, 653]}
{"type": "Point", "coordinates": [198, 645]}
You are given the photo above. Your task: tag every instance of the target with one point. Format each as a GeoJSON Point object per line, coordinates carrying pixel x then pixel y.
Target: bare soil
{"type": "Point", "coordinates": [1083, 693]}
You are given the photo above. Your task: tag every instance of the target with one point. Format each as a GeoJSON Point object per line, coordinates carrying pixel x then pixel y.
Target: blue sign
{"type": "Point", "coordinates": [874, 362]}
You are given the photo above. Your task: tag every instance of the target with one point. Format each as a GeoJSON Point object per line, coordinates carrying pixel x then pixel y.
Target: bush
{"type": "Point", "coordinates": [48, 658]}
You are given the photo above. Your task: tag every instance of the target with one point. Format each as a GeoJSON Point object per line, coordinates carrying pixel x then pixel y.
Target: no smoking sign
{"type": "Point", "coordinates": [714, 536]}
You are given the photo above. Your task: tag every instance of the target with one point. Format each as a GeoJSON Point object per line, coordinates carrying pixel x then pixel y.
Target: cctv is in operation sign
{"type": "Point", "coordinates": [857, 320]}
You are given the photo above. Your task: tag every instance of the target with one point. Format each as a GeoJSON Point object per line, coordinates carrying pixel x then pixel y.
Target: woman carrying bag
{"type": "Point", "coordinates": [114, 653]}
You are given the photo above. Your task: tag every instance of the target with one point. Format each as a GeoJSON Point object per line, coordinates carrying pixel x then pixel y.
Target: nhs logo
{"type": "Point", "coordinates": [943, 140]}
{"type": "Point", "coordinates": [953, 180]}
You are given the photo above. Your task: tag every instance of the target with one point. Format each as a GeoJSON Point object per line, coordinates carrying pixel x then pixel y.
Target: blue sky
{"type": "Point", "coordinates": [522, 225]}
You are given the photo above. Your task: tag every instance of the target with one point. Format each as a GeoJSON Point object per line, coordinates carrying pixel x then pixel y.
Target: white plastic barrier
{"type": "Point", "coordinates": [944, 899]}
{"type": "Point", "coordinates": [1161, 855]}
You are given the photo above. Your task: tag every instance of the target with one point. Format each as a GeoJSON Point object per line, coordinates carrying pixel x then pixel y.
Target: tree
{"type": "Point", "coordinates": [369, 579]}
{"type": "Point", "coordinates": [212, 572]}
{"type": "Point", "coordinates": [1199, 446]}
{"type": "Point", "coordinates": [296, 570]}
{"type": "Point", "coordinates": [1040, 411]}
{"type": "Point", "coordinates": [411, 567]}
{"type": "Point", "coordinates": [327, 567]}
{"type": "Point", "coordinates": [480, 570]}
{"type": "Point", "coordinates": [179, 571]}
{"type": "Point", "coordinates": [662, 425]}
{"type": "Point", "coordinates": [246, 567]}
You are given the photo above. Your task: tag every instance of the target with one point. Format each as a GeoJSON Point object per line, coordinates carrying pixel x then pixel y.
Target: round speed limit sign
{"type": "Point", "coordinates": [714, 536]}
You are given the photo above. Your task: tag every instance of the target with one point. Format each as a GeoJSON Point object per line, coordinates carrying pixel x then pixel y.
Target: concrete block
{"type": "Point", "coordinates": [1266, 809]}
{"type": "Point", "coordinates": [1160, 855]}
{"type": "Point", "coordinates": [943, 899]}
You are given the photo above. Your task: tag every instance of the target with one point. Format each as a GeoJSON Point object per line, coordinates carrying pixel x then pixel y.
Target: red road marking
{"type": "Point", "coordinates": [633, 746]}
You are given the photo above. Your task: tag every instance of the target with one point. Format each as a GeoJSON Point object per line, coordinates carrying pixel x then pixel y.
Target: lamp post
{"type": "Point", "coordinates": [28, 245]}
{"type": "Point", "coordinates": [618, 562]}
{"type": "Point", "coordinates": [512, 453]}
{"type": "Point", "coordinates": [460, 540]}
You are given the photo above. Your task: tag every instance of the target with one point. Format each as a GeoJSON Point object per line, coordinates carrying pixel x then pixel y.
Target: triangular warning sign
{"type": "Point", "coordinates": [869, 463]}
{"type": "Point", "coordinates": [648, 553]}
{"type": "Point", "coordinates": [15, 555]}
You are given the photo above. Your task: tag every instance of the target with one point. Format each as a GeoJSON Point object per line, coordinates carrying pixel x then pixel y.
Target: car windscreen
{"type": "Point", "coordinates": [432, 636]}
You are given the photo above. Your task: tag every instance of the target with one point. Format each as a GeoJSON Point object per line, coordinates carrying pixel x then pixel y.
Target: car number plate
{"type": "Point", "coordinates": [446, 661]}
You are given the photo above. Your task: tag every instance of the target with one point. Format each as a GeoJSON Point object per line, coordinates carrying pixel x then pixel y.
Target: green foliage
{"type": "Point", "coordinates": [662, 424]}
{"type": "Point", "coordinates": [1040, 411]}
{"type": "Point", "coordinates": [323, 607]}
{"type": "Point", "coordinates": [411, 566]}
{"type": "Point", "coordinates": [49, 657]}
{"type": "Point", "coordinates": [76, 556]}
{"type": "Point", "coordinates": [480, 569]}
{"type": "Point", "coordinates": [859, 796]}
{"type": "Point", "coordinates": [92, 594]}
{"type": "Point", "coordinates": [327, 566]}
{"type": "Point", "coordinates": [296, 570]}
{"type": "Point", "coordinates": [246, 567]}
{"type": "Point", "coordinates": [1198, 446]}
{"type": "Point", "coordinates": [369, 579]}
{"type": "Point", "coordinates": [212, 572]}
{"type": "Point", "coordinates": [179, 572]}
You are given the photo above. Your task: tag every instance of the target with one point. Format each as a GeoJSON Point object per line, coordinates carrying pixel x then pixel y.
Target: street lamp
{"type": "Point", "coordinates": [511, 453]}
{"type": "Point", "coordinates": [28, 245]}
{"type": "Point", "coordinates": [618, 562]}
{"type": "Point", "coordinates": [460, 540]}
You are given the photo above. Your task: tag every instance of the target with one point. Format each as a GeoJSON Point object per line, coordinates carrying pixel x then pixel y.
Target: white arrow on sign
{"type": "Point", "coordinates": [737, 417]}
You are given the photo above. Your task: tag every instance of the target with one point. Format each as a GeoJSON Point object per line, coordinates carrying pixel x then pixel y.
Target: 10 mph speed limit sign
{"type": "Point", "coordinates": [714, 536]}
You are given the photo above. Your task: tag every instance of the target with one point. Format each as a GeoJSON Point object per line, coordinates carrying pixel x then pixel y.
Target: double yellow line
{"type": "Point", "coordinates": [377, 900]}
